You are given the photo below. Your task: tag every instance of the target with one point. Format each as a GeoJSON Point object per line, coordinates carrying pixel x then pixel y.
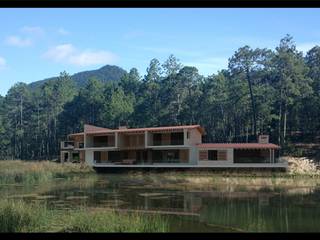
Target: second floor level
{"type": "Point", "coordinates": [131, 138]}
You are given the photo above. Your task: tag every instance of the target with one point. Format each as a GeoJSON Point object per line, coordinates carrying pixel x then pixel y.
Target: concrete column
{"type": "Point", "coordinates": [273, 156]}
{"type": "Point", "coordinates": [185, 140]}
{"type": "Point", "coordinates": [116, 139]}
{"type": "Point", "coordinates": [145, 139]}
{"type": "Point", "coordinates": [230, 155]}
{"type": "Point", "coordinates": [270, 156]}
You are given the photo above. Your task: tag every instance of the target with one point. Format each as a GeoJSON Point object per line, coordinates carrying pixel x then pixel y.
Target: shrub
{"type": "Point", "coordinates": [302, 166]}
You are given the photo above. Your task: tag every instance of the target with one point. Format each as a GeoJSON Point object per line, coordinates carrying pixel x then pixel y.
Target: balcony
{"type": "Point", "coordinates": [100, 141]}
{"type": "Point", "coordinates": [67, 145]}
{"type": "Point", "coordinates": [79, 145]}
{"type": "Point", "coordinates": [142, 157]}
{"type": "Point", "coordinates": [131, 141]}
{"type": "Point", "coordinates": [166, 139]}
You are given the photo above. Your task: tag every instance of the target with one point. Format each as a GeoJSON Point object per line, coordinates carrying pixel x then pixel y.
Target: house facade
{"type": "Point", "coordinates": [164, 147]}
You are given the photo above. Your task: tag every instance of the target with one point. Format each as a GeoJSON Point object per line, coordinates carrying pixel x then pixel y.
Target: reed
{"type": "Point", "coordinates": [27, 172]}
{"type": "Point", "coordinates": [19, 216]}
{"type": "Point", "coordinates": [111, 221]}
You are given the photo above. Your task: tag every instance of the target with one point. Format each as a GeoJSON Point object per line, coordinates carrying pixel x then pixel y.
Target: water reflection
{"type": "Point", "coordinates": [227, 208]}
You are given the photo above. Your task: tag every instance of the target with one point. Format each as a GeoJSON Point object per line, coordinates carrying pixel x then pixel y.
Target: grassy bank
{"type": "Point", "coordinates": [19, 216]}
{"type": "Point", "coordinates": [301, 172]}
{"type": "Point", "coordinates": [222, 182]}
{"type": "Point", "coordinates": [16, 171]}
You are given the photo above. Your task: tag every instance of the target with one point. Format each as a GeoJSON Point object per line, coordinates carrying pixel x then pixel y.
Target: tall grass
{"type": "Point", "coordinates": [19, 216]}
{"type": "Point", "coordinates": [16, 216]}
{"type": "Point", "coordinates": [111, 221]}
{"type": "Point", "coordinates": [16, 171]}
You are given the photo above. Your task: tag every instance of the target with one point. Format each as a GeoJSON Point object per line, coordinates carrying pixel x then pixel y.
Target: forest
{"type": "Point", "coordinates": [262, 91]}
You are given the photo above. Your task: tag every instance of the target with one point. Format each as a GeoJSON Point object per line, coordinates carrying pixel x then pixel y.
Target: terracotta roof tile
{"type": "Point", "coordinates": [239, 145]}
{"type": "Point", "coordinates": [94, 129]}
{"type": "Point", "coordinates": [90, 128]}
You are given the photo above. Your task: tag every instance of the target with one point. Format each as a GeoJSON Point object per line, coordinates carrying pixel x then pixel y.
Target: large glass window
{"type": "Point", "coordinates": [114, 156]}
{"type": "Point", "coordinates": [100, 156]}
{"type": "Point", "coordinates": [217, 155]}
{"type": "Point", "coordinates": [252, 156]}
{"type": "Point", "coordinates": [157, 139]}
{"type": "Point", "coordinates": [100, 141]}
{"type": "Point", "coordinates": [213, 155]}
{"type": "Point", "coordinates": [177, 138]}
{"type": "Point", "coordinates": [97, 156]}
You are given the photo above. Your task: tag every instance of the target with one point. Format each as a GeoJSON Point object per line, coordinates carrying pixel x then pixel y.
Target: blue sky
{"type": "Point", "coordinates": [40, 43]}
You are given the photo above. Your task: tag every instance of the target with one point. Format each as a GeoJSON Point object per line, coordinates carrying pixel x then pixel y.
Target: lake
{"type": "Point", "coordinates": [227, 207]}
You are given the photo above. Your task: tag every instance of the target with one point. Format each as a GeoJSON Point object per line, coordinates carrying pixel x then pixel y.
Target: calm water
{"type": "Point", "coordinates": [221, 208]}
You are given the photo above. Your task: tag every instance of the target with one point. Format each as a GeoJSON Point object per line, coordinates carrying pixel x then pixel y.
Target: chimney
{"type": "Point", "coordinates": [263, 139]}
{"type": "Point", "coordinates": [123, 127]}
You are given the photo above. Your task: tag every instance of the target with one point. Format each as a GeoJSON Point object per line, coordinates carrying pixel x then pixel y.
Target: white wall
{"type": "Point", "coordinates": [89, 140]}
{"type": "Point", "coordinates": [195, 137]}
{"type": "Point", "coordinates": [116, 139]}
{"type": "Point", "coordinates": [193, 155]}
{"type": "Point", "coordinates": [89, 157]}
{"type": "Point", "coordinates": [149, 139]}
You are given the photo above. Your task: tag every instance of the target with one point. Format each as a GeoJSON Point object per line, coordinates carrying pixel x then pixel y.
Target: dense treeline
{"type": "Point", "coordinates": [275, 92]}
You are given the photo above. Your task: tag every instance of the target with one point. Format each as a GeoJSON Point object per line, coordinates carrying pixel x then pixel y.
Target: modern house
{"type": "Point", "coordinates": [165, 147]}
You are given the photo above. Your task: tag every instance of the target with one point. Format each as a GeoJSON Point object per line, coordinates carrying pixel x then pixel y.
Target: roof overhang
{"type": "Point", "coordinates": [244, 146]}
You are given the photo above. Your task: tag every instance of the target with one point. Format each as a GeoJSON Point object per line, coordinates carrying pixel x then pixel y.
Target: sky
{"type": "Point", "coordinates": [40, 43]}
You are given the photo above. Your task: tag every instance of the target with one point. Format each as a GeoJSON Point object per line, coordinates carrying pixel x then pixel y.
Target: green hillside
{"type": "Point", "coordinates": [103, 74]}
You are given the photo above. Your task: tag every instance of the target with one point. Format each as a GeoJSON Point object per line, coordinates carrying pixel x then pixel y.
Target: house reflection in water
{"type": "Point", "coordinates": [196, 203]}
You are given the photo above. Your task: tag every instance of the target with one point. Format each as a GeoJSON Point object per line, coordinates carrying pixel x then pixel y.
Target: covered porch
{"type": "Point", "coordinates": [142, 157]}
{"type": "Point", "coordinates": [255, 155]}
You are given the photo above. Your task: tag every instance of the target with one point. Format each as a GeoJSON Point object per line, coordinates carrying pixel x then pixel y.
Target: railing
{"type": "Point", "coordinates": [71, 145]}
{"type": "Point", "coordinates": [67, 145]}
{"type": "Point", "coordinates": [255, 160]}
{"type": "Point", "coordinates": [140, 162]}
{"type": "Point", "coordinates": [178, 142]}
{"type": "Point", "coordinates": [79, 145]}
{"type": "Point", "coordinates": [126, 147]}
{"type": "Point", "coordinates": [102, 144]}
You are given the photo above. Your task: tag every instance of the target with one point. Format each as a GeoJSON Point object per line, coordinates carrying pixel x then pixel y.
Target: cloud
{"type": "Point", "coordinates": [61, 52]}
{"type": "Point", "coordinates": [305, 47]}
{"type": "Point", "coordinates": [68, 54]}
{"type": "Point", "coordinates": [26, 38]}
{"type": "Point", "coordinates": [2, 63]}
{"type": "Point", "coordinates": [34, 30]}
{"type": "Point", "coordinates": [63, 31]}
{"type": "Point", "coordinates": [18, 41]}
{"type": "Point", "coordinates": [209, 66]}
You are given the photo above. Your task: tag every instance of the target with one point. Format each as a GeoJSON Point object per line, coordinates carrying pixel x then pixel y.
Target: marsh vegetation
{"type": "Point", "coordinates": [51, 197]}
{"type": "Point", "coordinates": [19, 216]}
{"type": "Point", "coordinates": [28, 172]}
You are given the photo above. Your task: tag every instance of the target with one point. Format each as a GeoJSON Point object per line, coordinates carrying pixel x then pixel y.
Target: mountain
{"type": "Point", "coordinates": [104, 74]}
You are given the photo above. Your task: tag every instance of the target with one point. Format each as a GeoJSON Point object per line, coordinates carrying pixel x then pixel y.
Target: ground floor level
{"type": "Point", "coordinates": [258, 166]}
{"type": "Point", "coordinates": [141, 157]}
{"type": "Point", "coordinates": [176, 158]}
